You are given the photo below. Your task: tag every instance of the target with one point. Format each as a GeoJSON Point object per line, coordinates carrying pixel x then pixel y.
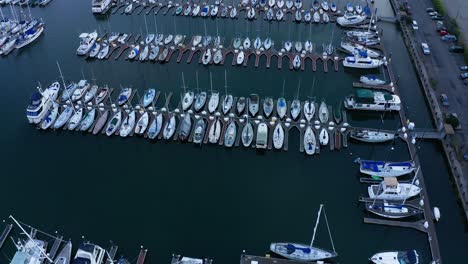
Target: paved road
{"type": "Point", "coordinates": [444, 67]}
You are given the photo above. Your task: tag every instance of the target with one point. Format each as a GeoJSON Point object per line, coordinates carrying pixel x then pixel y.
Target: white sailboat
{"type": "Point", "coordinates": [215, 132]}
{"type": "Point", "coordinates": [278, 136]}
{"type": "Point", "coordinates": [247, 134]}
{"type": "Point", "coordinates": [390, 189]}
{"type": "Point", "coordinates": [310, 143]}
{"type": "Point", "coordinates": [324, 137]}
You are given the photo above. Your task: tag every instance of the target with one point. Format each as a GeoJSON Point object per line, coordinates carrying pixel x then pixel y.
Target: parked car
{"type": "Point", "coordinates": [456, 49]}
{"type": "Point", "coordinates": [464, 75]}
{"type": "Point", "coordinates": [433, 13]}
{"type": "Point", "coordinates": [414, 25]}
{"type": "Point", "coordinates": [449, 38]}
{"type": "Point", "coordinates": [444, 100]}
{"type": "Point", "coordinates": [437, 17]}
{"type": "Point", "coordinates": [425, 48]}
{"type": "Point", "coordinates": [430, 9]}
{"type": "Point", "coordinates": [465, 82]}
{"type": "Point", "coordinates": [443, 33]}
{"type": "Point", "coordinates": [464, 68]}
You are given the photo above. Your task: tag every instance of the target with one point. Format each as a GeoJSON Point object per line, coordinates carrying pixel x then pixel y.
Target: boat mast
{"type": "Point", "coordinates": [65, 87]}
{"type": "Point", "coordinates": [211, 84]}
{"type": "Point", "coordinates": [298, 88]}
{"type": "Point", "coordinates": [284, 83]}
{"type": "Point", "coordinates": [1, 13]}
{"type": "Point", "coordinates": [183, 82]}
{"type": "Point", "coordinates": [196, 77]}
{"type": "Point", "coordinates": [30, 238]}
{"type": "Point", "coordinates": [316, 225]}
{"type": "Point", "coordinates": [155, 25]}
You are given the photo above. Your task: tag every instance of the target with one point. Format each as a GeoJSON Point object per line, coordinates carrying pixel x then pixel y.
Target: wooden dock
{"type": "Point", "coordinates": [55, 247]}
{"type": "Point", "coordinates": [418, 225]}
{"type": "Point", "coordinates": [142, 256]}
{"type": "Point", "coordinates": [267, 259]}
{"type": "Point", "coordinates": [5, 234]}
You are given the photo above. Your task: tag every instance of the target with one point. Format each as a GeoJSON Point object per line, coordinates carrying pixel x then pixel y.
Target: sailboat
{"type": "Point", "coordinates": [240, 105]}
{"type": "Point", "coordinates": [247, 134]}
{"type": "Point", "coordinates": [200, 100]}
{"type": "Point", "coordinates": [215, 132]}
{"type": "Point", "coordinates": [309, 110]}
{"type": "Point", "coordinates": [253, 104]}
{"type": "Point", "coordinates": [310, 143]}
{"type": "Point", "coordinates": [64, 257]}
{"type": "Point", "coordinates": [170, 128]}
{"type": "Point", "coordinates": [101, 122]}
{"type": "Point", "coordinates": [185, 127]}
{"type": "Point", "coordinates": [230, 135]}
{"type": "Point", "coordinates": [199, 131]}
{"type": "Point", "coordinates": [324, 137]}
{"type": "Point", "coordinates": [391, 189]}
{"type": "Point", "coordinates": [302, 252]}
{"type": "Point", "coordinates": [268, 106]}
{"type": "Point", "coordinates": [278, 136]}
{"type": "Point", "coordinates": [385, 168]}
{"type": "Point", "coordinates": [142, 124]}
{"type": "Point", "coordinates": [371, 136]}
{"type": "Point", "coordinates": [155, 127]}
{"type": "Point", "coordinates": [228, 99]}
{"type": "Point", "coordinates": [323, 112]}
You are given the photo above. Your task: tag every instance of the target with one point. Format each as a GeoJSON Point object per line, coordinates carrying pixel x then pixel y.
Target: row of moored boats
{"type": "Point", "coordinates": [18, 33]}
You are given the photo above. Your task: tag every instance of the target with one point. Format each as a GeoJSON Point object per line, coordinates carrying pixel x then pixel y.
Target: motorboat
{"type": "Point", "coordinates": [297, 62]}
{"type": "Point", "coordinates": [348, 20]}
{"type": "Point", "coordinates": [310, 143]}
{"type": "Point", "coordinates": [366, 99]}
{"type": "Point", "coordinates": [279, 14]}
{"type": "Point", "coordinates": [81, 90]}
{"type": "Point", "coordinates": [298, 46]}
{"type": "Point", "coordinates": [196, 40]}
{"type": "Point", "coordinates": [253, 104]}
{"type": "Point", "coordinates": [371, 80]}
{"type": "Point", "coordinates": [230, 135]}
{"type": "Point", "coordinates": [215, 132]}
{"type": "Point", "coordinates": [289, 4]}
{"type": "Point", "coordinates": [303, 252]}
{"type": "Point", "coordinates": [324, 137]}
{"type": "Point", "coordinates": [307, 16]}
{"type": "Point", "coordinates": [90, 254]}
{"type": "Point", "coordinates": [240, 57]}
{"type": "Point", "coordinates": [385, 168]}
{"type": "Point", "coordinates": [29, 252]}
{"type": "Point", "coordinates": [29, 35]}
{"type": "Point", "coordinates": [134, 52]}
{"type": "Point", "coordinates": [124, 96]}
{"type": "Point", "coordinates": [298, 4]}
{"type": "Point", "coordinates": [41, 102]}
{"type": "Point", "coordinates": [361, 34]}
{"type": "Point", "coordinates": [267, 43]}
{"type": "Point", "coordinates": [298, 15]}
{"type": "Point", "coordinates": [324, 114]}
{"type": "Point", "coordinates": [187, 100]}
{"type": "Point", "coordinates": [155, 127]}
{"type": "Point", "coordinates": [308, 46]}
{"type": "Point", "coordinates": [199, 131]}
{"type": "Point", "coordinates": [75, 119]}
{"type": "Point", "coordinates": [247, 134]}
{"type": "Point", "coordinates": [88, 120]}
{"type": "Point", "coordinates": [148, 97]}
{"type": "Point", "coordinates": [102, 95]}
{"type": "Point", "coordinates": [309, 110]}
{"type": "Point", "coordinates": [185, 127]}
{"type": "Point", "coordinates": [114, 123]}
{"type": "Point", "coordinates": [168, 39]}
{"type": "Point", "coordinates": [246, 43]}
{"type": "Point", "coordinates": [87, 41]}
{"type": "Point", "coordinates": [362, 61]}
{"type": "Point", "coordinates": [206, 59]}
{"type": "Point", "coordinates": [227, 103]}
{"type": "Point", "coordinates": [392, 210]}
{"type": "Point", "coordinates": [268, 106]}
{"type": "Point", "coordinates": [355, 48]}
{"type": "Point", "coordinates": [261, 140]}
{"type": "Point", "coordinates": [240, 105]}
{"type": "Point", "coordinates": [251, 13]}
{"type": "Point", "coordinates": [170, 128]}
{"type": "Point", "coordinates": [281, 107]}
{"type": "Point", "coordinates": [99, 7]}
{"type": "Point", "coordinates": [288, 46]}
{"type": "Point", "coordinates": [390, 189]}
{"type": "Point", "coordinates": [295, 109]}
{"type": "Point", "coordinates": [144, 53]}
{"type": "Point", "coordinates": [128, 9]}
{"type": "Point", "coordinates": [396, 257]}
{"type": "Point", "coordinates": [278, 136]}
{"type": "Point", "coordinates": [218, 56]}
{"type": "Point", "coordinates": [200, 100]}
{"type": "Point", "coordinates": [101, 122]}
{"type": "Point", "coordinates": [213, 102]}
{"type": "Point", "coordinates": [233, 12]}
{"type": "Point", "coordinates": [50, 116]}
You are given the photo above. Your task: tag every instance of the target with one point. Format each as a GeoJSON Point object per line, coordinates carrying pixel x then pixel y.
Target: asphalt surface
{"type": "Point", "coordinates": [458, 9]}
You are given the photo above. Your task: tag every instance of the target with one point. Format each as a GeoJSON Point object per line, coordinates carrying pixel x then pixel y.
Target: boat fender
{"type": "Point", "coordinates": [421, 202]}
{"type": "Point", "coordinates": [411, 126]}
{"type": "Point", "coordinates": [413, 140]}
{"type": "Point", "coordinates": [417, 182]}
{"type": "Point", "coordinates": [405, 135]}
{"type": "Point", "coordinates": [403, 129]}
{"type": "Point", "coordinates": [426, 225]}
{"type": "Point", "coordinates": [437, 213]}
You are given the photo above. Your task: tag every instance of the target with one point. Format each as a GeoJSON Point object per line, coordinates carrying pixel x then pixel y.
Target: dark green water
{"type": "Point", "coordinates": [209, 201]}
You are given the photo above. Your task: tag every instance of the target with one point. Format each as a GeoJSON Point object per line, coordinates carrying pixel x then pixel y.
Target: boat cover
{"type": "Point", "coordinates": [292, 247]}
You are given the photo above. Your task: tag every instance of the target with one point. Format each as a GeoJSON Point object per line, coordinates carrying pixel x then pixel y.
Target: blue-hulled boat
{"type": "Point", "coordinates": [386, 169]}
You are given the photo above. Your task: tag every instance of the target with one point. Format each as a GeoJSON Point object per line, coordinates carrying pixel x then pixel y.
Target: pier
{"type": "Point", "coordinates": [111, 254]}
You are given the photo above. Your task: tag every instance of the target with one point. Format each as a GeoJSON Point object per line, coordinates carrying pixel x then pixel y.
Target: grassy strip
{"type": "Point", "coordinates": [439, 7]}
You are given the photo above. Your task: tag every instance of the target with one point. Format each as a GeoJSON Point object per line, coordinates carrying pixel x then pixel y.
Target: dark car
{"type": "Point", "coordinates": [456, 49]}
{"type": "Point", "coordinates": [430, 10]}
{"type": "Point", "coordinates": [464, 76]}
{"type": "Point", "coordinates": [444, 100]}
{"type": "Point", "coordinates": [437, 17]}
{"type": "Point", "coordinates": [464, 68]}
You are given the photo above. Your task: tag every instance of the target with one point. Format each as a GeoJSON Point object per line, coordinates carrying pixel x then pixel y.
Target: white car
{"type": "Point", "coordinates": [425, 48]}
{"type": "Point", "coordinates": [414, 25]}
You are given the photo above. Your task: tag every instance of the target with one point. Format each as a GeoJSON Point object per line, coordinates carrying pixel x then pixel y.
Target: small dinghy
{"type": "Point", "coordinates": [396, 257]}
{"type": "Point", "coordinates": [114, 123]}
{"type": "Point", "coordinates": [324, 137]}
{"type": "Point", "coordinates": [281, 108]}
{"type": "Point", "coordinates": [386, 168]}
{"type": "Point", "coordinates": [310, 143]}
{"type": "Point", "coordinates": [155, 127]}
{"type": "Point", "coordinates": [101, 122]}
{"type": "Point", "coordinates": [240, 105]}
{"type": "Point", "coordinates": [170, 128]}
{"type": "Point", "coordinates": [230, 135]}
{"type": "Point", "coordinates": [297, 62]}
{"type": "Point", "coordinates": [215, 132]}
{"type": "Point", "coordinates": [199, 131]}
{"type": "Point", "coordinates": [187, 100]}
{"type": "Point", "coordinates": [185, 127]}
{"type": "Point", "coordinates": [128, 124]}
{"type": "Point", "coordinates": [253, 104]}
{"type": "Point", "coordinates": [309, 110]}
{"type": "Point", "coordinates": [50, 116]}
{"type": "Point", "coordinates": [63, 117]}
{"type": "Point", "coordinates": [213, 103]}
{"type": "Point", "coordinates": [200, 100]}
{"type": "Point", "coordinates": [88, 120]}
{"type": "Point", "coordinates": [124, 96]}
{"type": "Point", "coordinates": [268, 106]}
{"type": "Point", "coordinates": [295, 109]}
{"type": "Point", "coordinates": [323, 113]}
{"type": "Point", "coordinates": [227, 104]}
{"type": "Point", "coordinates": [142, 124]}
{"type": "Point", "coordinates": [371, 136]}
{"type": "Point", "coordinates": [75, 119]}
{"type": "Point", "coordinates": [278, 136]}
{"type": "Point", "coordinates": [247, 135]}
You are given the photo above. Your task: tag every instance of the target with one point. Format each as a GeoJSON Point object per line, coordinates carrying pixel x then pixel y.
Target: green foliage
{"type": "Point", "coordinates": [439, 7]}
{"type": "Point", "coordinates": [452, 120]}
{"type": "Point", "coordinates": [434, 83]}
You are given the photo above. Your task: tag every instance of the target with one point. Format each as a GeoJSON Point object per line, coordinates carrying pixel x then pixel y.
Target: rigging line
{"type": "Point", "coordinates": [316, 225]}
{"type": "Point", "coordinates": [329, 233]}
{"type": "Point", "coordinates": [42, 232]}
